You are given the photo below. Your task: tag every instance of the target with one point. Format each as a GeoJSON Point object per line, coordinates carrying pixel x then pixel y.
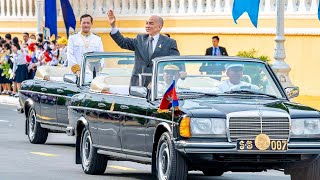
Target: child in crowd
{"type": "Point", "coordinates": [31, 59]}
{"type": "Point", "coordinates": [62, 45]}
{"type": "Point", "coordinates": [7, 68]}
{"type": "Point", "coordinates": [20, 70]}
{"type": "Point", "coordinates": [54, 52]}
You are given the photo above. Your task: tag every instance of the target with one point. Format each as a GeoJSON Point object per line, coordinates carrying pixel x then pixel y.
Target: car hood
{"type": "Point", "coordinates": [221, 106]}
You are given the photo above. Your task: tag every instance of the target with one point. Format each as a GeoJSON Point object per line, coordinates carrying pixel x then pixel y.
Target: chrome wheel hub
{"type": "Point", "coordinates": [32, 124]}
{"type": "Point", "coordinates": [86, 148]}
{"type": "Point", "coordinates": [164, 161]}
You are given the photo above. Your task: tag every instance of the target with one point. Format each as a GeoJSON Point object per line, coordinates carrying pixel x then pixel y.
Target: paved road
{"type": "Point", "coordinates": [55, 160]}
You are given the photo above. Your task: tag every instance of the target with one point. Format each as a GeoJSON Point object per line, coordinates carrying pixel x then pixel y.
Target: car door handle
{"type": "Point", "coordinates": [60, 90]}
{"type": "Point", "coordinates": [124, 107]}
{"type": "Point", "coordinates": [101, 105]}
{"type": "Point", "coordinates": [44, 89]}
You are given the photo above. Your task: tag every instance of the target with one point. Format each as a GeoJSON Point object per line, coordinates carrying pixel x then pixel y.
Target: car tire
{"type": "Point", "coordinates": [36, 134]}
{"type": "Point", "coordinates": [91, 161]}
{"type": "Point", "coordinates": [171, 165]}
{"type": "Point", "coordinates": [212, 172]}
{"type": "Point", "coordinates": [310, 172]}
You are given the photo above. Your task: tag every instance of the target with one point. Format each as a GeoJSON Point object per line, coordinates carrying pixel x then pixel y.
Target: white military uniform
{"type": "Point", "coordinates": [226, 86]}
{"type": "Point", "coordinates": [78, 44]}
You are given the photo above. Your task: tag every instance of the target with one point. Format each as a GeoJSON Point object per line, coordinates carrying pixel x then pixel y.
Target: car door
{"type": "Point", "coordinates": [48, 100]}
{"type": "Point", "coordinates": [109, 126]}
{"type": "Point", "coordinates": [33, 91]}
{"type": "Point", "coordinates": [133, 127]}
{"type": "Point", "coordinates": [64, 93]}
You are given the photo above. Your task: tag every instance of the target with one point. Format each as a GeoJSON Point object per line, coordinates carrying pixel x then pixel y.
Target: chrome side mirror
{"type": "Point", "coordinates": [292, 92]}
{"type": "Point", "coordinates": [139, 91]}
{"type": "Point", "coordinates": [70, 78]}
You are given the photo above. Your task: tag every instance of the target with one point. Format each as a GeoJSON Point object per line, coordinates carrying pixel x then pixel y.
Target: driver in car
{"type": "Point", "coordinates": [234, 83]}
{"type": "Point", "coordinates": [170, 72]}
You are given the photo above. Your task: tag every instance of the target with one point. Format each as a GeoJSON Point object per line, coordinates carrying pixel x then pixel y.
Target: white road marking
{"type": "Point", "coordinates": [4, 121]}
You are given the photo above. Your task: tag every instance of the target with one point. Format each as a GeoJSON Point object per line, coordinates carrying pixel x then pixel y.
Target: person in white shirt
{"type": "Point", "coordinates": [62, 46]}
{"type": "Point", "coordinates": [83, 42]}
{"type": "Point", "coordinates": [55, 53]}
{"type": "Point", "coordinates": [235, 73]}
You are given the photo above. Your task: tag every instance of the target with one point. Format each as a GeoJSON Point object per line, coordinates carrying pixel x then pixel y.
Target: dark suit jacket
{"type": "Point", "coordinates": [223, 51]}
{"type": "Point", "coordinates": [208, 68]}
{"type": "Point", "coordinates": [165, 47]}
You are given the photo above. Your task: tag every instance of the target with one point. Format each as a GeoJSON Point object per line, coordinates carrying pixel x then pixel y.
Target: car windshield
{"type": "Point", "coordinates": [216, 78]}
{"type": "Point", "coordinates": [107, 73]}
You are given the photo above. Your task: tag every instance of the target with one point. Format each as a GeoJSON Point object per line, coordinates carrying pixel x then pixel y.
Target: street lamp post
{"type": "Point", "coordinates": [39, 11]}
{"type": "Point", "coordinates": [280, 67]}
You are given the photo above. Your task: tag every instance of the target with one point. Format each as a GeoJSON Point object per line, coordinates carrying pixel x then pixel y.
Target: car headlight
{"type": "Point", "coordinates": [208, 126]}
{"type": "Point", "coordinates": [305, 127]}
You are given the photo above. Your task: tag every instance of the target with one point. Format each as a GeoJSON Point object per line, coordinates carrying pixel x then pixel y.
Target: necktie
{"type": "Point", "coordinates": [150, 48]}
{"type": "Point", "coordinates": [215, 51]}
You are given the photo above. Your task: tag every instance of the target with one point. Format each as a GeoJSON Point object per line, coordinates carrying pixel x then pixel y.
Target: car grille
{"type": "Point", "coordinates": [250, 127]}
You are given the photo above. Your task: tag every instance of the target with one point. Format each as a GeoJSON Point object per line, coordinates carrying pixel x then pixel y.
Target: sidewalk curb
{"type": "Point", "coordinates": [9, 100]}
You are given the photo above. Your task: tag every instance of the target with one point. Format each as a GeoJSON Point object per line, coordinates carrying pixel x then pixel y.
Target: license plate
{"type": "Point", "coordinates": [250, 145]}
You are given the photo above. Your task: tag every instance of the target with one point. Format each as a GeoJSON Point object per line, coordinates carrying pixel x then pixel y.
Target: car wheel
{"type": "Point", "coordinates": [212, 172]}
{"type": "Point", "coordinates": [310, 172]}
{"type": "Point", "coordinates": [171, 165]}
{"type": "Point", "coordinates": [92, 162]}
{"type": "Point", "coordinates": [36, 134]}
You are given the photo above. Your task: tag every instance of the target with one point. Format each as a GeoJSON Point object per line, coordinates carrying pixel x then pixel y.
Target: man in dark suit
{"type": "Point", "coordinates": [215, 50]}
{"type": "Point", "coordinates": [146, 46]}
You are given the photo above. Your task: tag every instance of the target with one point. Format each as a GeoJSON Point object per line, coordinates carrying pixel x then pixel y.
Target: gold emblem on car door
{"type": "Point", "coordinates": [112, 106]}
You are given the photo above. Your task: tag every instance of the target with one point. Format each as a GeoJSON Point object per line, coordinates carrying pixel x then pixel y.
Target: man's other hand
{"type": "Point", "coordinates": [112, 18]}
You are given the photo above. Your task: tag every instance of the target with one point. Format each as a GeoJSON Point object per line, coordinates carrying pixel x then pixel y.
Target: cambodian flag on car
{"type": "Point", "coordinates": [169, 99]}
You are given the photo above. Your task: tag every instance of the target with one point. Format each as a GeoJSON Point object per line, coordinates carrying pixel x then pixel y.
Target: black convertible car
{"type": "Point", "coordinates": [233, 115]}
{"type": "Point", "coordinates": [45, 99]}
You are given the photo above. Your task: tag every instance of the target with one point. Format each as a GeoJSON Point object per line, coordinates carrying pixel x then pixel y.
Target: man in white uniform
{"type": "Point", "coordinates": [83, 42]}
{"type": "Point", "coordinates": [235, 73]}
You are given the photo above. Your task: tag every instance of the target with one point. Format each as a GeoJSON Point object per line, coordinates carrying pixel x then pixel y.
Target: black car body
{"type": "Point", "coordinates": [45, 99]}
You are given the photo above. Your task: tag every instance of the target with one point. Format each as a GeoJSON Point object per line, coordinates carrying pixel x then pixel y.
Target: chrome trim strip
{"type": "Point", "coordinates": [134, 152]}
{"type": "Point", "coordinates": [53, 123]}
{"type": "Point", "coordinates": [122, 113]}
{"type": "Point", "coordinates": [47, 94]}
{"type": "Point", "coordinates": [107, 147]}
{"type": "Point", "coordinates": [125, 156]}
{"type": "Point", "coordinates": [304, 145]}
{"type": "Point", "coordinates": [215, 145]}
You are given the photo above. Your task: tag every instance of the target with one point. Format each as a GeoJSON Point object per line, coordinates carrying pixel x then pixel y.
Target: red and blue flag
{"type": "Point", "coordinates": [169, 100]}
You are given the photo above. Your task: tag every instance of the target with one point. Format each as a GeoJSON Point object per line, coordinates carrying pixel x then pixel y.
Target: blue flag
{"type": "Point", "coordinates": [51, 16]}
{"type": "Point", "coordinates": [319, 11]}
{"type": "Point", "coordinates": [249, 6]}
{"type": "Point", "coordinates": [68, 15]}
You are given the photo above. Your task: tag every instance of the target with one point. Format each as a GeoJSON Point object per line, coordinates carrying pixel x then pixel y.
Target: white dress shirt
{"type": "Point", "coordinates": [226, 86]}
{"type": "Point", "coordinates": [79, 44]}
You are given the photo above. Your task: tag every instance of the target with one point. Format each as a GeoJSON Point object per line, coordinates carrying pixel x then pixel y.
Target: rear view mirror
{"type": "Point", "coordinates": [139, 91]}
{"type": "Point", "coordinates": [70, 78]}
{"type": "Point", "coordinates": [292, 92]}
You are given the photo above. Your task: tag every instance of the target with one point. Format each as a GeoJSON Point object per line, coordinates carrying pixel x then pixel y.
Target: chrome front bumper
{"type": "Point", "coordinates": [226, 147]}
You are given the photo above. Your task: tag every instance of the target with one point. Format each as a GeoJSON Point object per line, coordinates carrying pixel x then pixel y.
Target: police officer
{"type": "Point", "coordinates": [170, 73]}
{"type": "Point", "coordinates": [81, 43]}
